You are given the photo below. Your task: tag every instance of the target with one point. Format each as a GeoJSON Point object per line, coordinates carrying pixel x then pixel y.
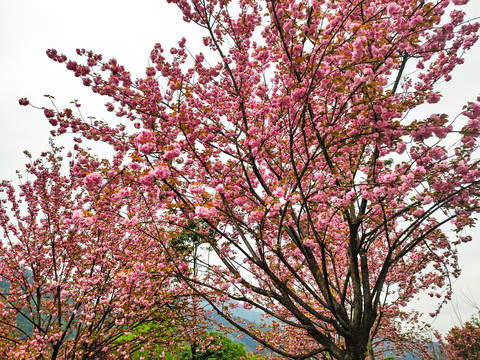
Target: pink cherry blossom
{"type": "Point", "coordinates": [160, 172]}
{"type": "Point", "coordinates": [24, 101]}
{"type": "Point", "coordinates": [204, 212]}
{"type": "Point", "coordinates": [433, 98]}
{"type": "Point", "coordinates": [394, 10]}
{"type": "Point", "coordinates": [93, 180]}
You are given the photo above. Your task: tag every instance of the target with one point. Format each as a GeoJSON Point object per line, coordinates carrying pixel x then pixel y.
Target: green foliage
{"type": "Point", "coordinates": [154, 351]}
{"type": "Point", "coordinates": [192, 235]}
{"type": "Point", "coordinates": [475, 319]}
{"type": "Point", "coordinates": [187, 240]}
{"type": "Point", "coordinates": [154, 354]}
{"type": "Point", "coordinates": [388, 162]}
{"type": "Point", "coordinates": [218, 348]}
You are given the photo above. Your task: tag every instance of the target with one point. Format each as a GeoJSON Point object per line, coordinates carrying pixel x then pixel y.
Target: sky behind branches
{"type": "Point", "coordinates": [128, 30]}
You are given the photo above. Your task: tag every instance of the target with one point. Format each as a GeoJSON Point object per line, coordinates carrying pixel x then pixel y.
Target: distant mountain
{"type": "Point", "coordinates": [4, 286]}
{"type": "Point", "coordinates": [22, 322]}
{"type": "Point", "coordinates": [250, 316]}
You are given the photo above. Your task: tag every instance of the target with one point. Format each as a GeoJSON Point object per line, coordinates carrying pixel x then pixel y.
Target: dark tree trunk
{"type": "Point", "coordinates": [356, 347]}
{"type": "Point", "coordinates": [193, 349]}
{"type": "Point", "coordinates": [355, 353]}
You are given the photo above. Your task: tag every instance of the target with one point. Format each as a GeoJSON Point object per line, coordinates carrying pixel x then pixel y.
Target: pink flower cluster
{"type": "Point", "coordinates": [160, 172]}
{"type": "Point", "coordinates": [93, 180]}
{"type": "Point", "coordinates": [145, 142]}
{"type": "Point", "coordinates": [23, 101]}
{"type": "Point", "coordinates": [394, 10]}
{"type": "Point", "coordinates": [205, 212]}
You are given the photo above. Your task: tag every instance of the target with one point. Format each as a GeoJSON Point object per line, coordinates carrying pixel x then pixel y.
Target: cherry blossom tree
{"type": "Point", "coordinates": [77, 281]}
{"type": "Point", "coordinates": [462, 342]}
{"type": "Point", "coordinates": [328, 206]}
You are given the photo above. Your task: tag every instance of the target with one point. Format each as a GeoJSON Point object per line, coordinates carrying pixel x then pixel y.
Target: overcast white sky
{"type": "Point", "coordinates": [127, 30]}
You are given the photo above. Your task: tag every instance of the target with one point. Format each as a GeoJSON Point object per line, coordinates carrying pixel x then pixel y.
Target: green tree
{"type": "Point", "coordinates": [216, 347]}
